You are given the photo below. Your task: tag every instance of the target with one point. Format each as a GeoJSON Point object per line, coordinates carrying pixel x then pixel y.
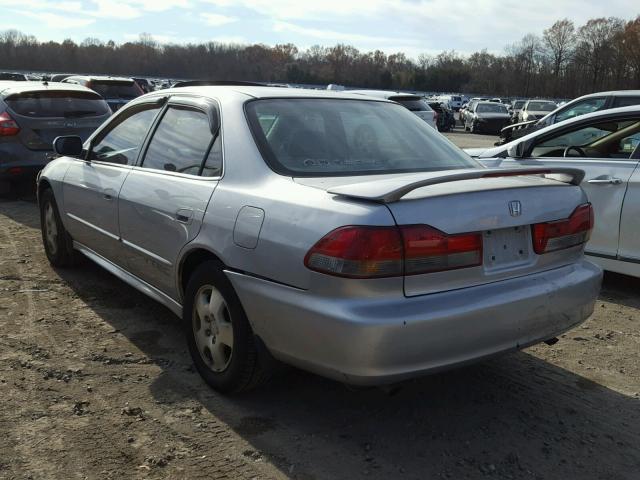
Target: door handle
{"type": "Point", "coordinates": [184, 215]}
{"type": "Point", "coordinates": [107, 197]}
{"type": "Point", "coordinates": [605, 180]}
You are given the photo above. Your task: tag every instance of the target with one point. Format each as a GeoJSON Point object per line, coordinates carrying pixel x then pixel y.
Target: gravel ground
{"type": "Point", "coordinates": [96, 382]}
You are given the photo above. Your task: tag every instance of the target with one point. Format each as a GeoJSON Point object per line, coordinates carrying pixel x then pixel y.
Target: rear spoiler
{"type": "Point", "coordinates": [390, 190]}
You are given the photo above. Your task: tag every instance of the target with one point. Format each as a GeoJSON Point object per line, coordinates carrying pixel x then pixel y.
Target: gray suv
{"type": "Point", "coordinates": [32, 114]}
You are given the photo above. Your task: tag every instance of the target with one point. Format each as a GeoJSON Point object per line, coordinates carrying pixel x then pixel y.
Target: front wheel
{"type": "Point", "coordinates": [58, 245]}
{"type": "Point", "coordinates": [219, 336]}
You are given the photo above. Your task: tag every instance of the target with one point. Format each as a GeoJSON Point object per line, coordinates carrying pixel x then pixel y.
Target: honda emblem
{"type": "Point", "coordinates": [515, 208]}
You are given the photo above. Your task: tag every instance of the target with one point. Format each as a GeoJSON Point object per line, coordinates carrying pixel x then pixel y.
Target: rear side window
{"type": "Point", "coordinates": [329, 137]}
{"type": "Point", "coordinates": [625, 101]}
{"type": "Point", "coordinates": [180, 142]}
{"type": "Point", "coordinates": [122, 142]}
{"type": "Point", "coordinates": [412, 103]}
{"type": "Point", "coordinates": [61, 104]}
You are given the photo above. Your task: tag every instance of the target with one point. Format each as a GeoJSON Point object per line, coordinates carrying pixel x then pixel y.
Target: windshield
{"type": "Point", "coordinates": [491, 108]}
{"type": "Point", "coordinates": [541, 106]}
{"type": "Point", "coordinates": [115, 89]}
{"type": "Point", "coordinates": [12, 76]}
{"type": "Point", "coordinates": [53, 103]}
{"type": "Point", "coordinates": [328, 137]}
{"type": "Point", "coordinates": [415, 104]}
{"type": "Point", "coordinates": [518, 103]}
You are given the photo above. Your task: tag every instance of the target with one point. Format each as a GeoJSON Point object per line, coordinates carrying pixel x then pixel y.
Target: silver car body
{"type": "Point", "coordinates": [612, 185]}
{"type": "Point", "coordinates": [149, 226]}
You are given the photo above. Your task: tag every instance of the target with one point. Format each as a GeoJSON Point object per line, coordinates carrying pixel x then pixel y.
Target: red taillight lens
{"type": "Point", "coordinates": [427, 249]}
{"type": "Point", "coordinates": [561, 234]}
{"type": "Point", "coordinates": [358, 252]}
{"type": "Point", "coordinates": [8, 125]}
{"type": "Point", "coordinates": [373, 252]}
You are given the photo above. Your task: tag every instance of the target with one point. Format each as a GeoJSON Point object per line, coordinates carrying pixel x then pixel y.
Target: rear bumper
{"type": "Point", "coordinates": [372, 341]}
{"type": "Point", "coordinates": [18, 162]}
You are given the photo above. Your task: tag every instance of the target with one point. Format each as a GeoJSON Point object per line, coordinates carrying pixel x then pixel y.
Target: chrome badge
{"type": "Point", "coordinates": [515, 208]}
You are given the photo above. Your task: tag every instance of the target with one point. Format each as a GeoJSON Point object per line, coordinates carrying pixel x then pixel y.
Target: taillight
{"type": "Point", "coordinates": [358, 252]}
{"type": "Point", "coordinates": [427, 249]}
{"type": "Point", "coordinates": [8, 125]}
{"type": "Point", "coordinates": [374, 252]}
{"type": "Point", "coordinates": [561, 234]}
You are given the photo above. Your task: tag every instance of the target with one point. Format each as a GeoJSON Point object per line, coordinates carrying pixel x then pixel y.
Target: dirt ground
{"type": "Point", "coordinates": [96, 383]}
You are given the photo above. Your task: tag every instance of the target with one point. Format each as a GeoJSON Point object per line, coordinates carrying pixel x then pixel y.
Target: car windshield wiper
{"type": "Point", "coordinates": [79, 113]}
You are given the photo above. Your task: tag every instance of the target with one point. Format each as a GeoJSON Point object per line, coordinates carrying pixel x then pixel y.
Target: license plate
{"type": "Point", "coordinates": [506, 247]}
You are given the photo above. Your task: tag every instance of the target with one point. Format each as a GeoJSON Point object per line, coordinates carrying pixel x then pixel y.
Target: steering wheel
{"type": "Point", "coordinates": [580, 151]}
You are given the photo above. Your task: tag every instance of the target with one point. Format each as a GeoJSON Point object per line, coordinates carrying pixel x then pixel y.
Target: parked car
{"type": "Point", "coordinates": [605, 145]}
{"type": "Point", "coordinates": [535, 110]}
{"type": "Point", "coordinates": [117, 91]}
{"type": "Point", "coordinates": [486, 117]}
{"type": "Point", "coordinates": [59, 77]}
{"type": "Point", "coordinates": [516, 107]}
{"type": "Point", "coordinates": [144, 84]}
{"type": "Point", "coordinates": [14, 77]}
{"type": "Point", "coordinates": [413, 103]}
{"type": "Point", "coordinates": [464, 111]}
{"type": "Point", "coordinates": [580, 106]}
{"type": "Point", "coordinates": [330, 230]}
{"type": "Point", "coordinates": [454, 101]}
{"type": "Point", "coordinates": [445, 116]}
{"type": "Point", "coordinates": [32, 114]}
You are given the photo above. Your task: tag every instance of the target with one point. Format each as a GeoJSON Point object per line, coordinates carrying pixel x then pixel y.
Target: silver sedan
{"type": "Point", "coordinates": [332, 231]}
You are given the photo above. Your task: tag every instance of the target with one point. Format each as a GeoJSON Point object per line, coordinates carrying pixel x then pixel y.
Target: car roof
{"type": "Point", "coordinates": [617, 93]}
{"type": "Point", "coordinates": [10, 87]}
{"type": "Point", "coordinates": [269, 92]}
{"type": "Point", "coordinates": [386, 94]}
{"type": "Point", "coordinates": [102, 78]}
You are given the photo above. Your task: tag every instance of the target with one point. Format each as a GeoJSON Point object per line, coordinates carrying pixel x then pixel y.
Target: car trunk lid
{"type": "Point", "coordinates": [499, 205]}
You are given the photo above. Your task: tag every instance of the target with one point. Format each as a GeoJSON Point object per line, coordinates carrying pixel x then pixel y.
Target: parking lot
{"type": "Point", "coordinates": [97, 382]}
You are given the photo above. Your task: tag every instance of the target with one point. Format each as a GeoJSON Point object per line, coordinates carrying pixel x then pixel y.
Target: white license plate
{"type": "Point", "coordinates": [506, 247]}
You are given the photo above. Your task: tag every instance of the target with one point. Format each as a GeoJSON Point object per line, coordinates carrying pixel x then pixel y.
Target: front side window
{"type": "Point", "coordinates": [580, 108]}
{"type": "Point", "coordinates": [325, 137]}
{"type": "Point", "coordinates": [180, 142]}
{"type": "Point", "coordinates": [122, 142]}
{"type": "Point", "coordinates": [613, 139]}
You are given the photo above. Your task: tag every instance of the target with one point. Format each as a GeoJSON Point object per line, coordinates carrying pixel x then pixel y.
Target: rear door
{"type": "Point", "coordinates": [163, 200]}
{"type": "Point", "coordinates": [91, 187]}
{"type": "Point", "coordinates": [607, 162]}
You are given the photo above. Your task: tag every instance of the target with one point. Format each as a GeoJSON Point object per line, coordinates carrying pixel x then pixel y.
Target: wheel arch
{"type": "Point", "coordinates": [189, 262]}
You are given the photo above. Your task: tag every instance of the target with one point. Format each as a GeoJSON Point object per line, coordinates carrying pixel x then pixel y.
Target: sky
{"type": "Point", "coordinates": [409, 26]}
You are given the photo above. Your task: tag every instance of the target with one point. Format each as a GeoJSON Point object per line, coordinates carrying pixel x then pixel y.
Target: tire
{"type": "Point", "coordinates": [226, 368]}
{"type": "Point", "coordinates": [57, 242]}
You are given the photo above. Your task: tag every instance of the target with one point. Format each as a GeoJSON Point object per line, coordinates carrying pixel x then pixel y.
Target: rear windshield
{"type": "Point", "coordinates": [456, 99]}
{"type": "Point", "coordinates": [12, 76]}
{"type": "Point", "coordinates": [491, 108]}
{"type": "Point", "coordinates": [51, 103]}
{"type": "Point", "coordinates": [412, 103]}
{"type": "Point", "coordinates": [114, 89]}
{"type": "Point", "coordinates": [541, 106]}
{"type": "Point", "coordinates": [330, 137]}
{"type": "Point", "coordinates": [518, 103]}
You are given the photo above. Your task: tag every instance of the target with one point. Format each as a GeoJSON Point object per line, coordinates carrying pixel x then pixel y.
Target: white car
{"type": "Point", "coordinates": [415, 103]}
{"type": "Point", "coordinates": [606, 145]}
{"type": "Point", "coordinates": [536, 109]}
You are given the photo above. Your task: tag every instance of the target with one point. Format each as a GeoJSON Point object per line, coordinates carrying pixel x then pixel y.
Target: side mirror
{"type": "Point", "coordinates": [516, 151]}
{"type": "Point", "coordinates": [69, 146]}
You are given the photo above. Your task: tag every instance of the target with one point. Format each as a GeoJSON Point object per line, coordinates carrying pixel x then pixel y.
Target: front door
{"type": "Point", "coordinates": [91, 186]}
{"type": "Point", "coordinates": [163, 201]}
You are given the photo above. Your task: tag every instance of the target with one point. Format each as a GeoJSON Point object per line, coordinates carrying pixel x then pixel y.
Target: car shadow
{"type": "Point", "coordinates": [25, 199]}
{"type": "Point", "coordinates": [516, 416]}
{"type": "Point", "coordinates": [621, 289]}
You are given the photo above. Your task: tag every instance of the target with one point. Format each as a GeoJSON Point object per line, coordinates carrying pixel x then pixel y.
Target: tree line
{"type": "Point", "coordinates": [564, 61]}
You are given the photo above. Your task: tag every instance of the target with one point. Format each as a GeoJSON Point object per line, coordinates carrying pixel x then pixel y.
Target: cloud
{"type": "Point", "coordinates": [216, 19]}
{"type": "Point", "coordinates": [61, 22]}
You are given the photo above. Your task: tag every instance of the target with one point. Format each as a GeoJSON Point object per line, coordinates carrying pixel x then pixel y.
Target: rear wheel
{"type": "Point", "coordinates": [58, 244]}
{"type": "Point", "coordinates": [220, 339]}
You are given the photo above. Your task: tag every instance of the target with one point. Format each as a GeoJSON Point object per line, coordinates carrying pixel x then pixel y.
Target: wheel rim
{"type": "Point", "coordinates": [212, 328]}
{"type": "Point", "coordinates": [50, 228]}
